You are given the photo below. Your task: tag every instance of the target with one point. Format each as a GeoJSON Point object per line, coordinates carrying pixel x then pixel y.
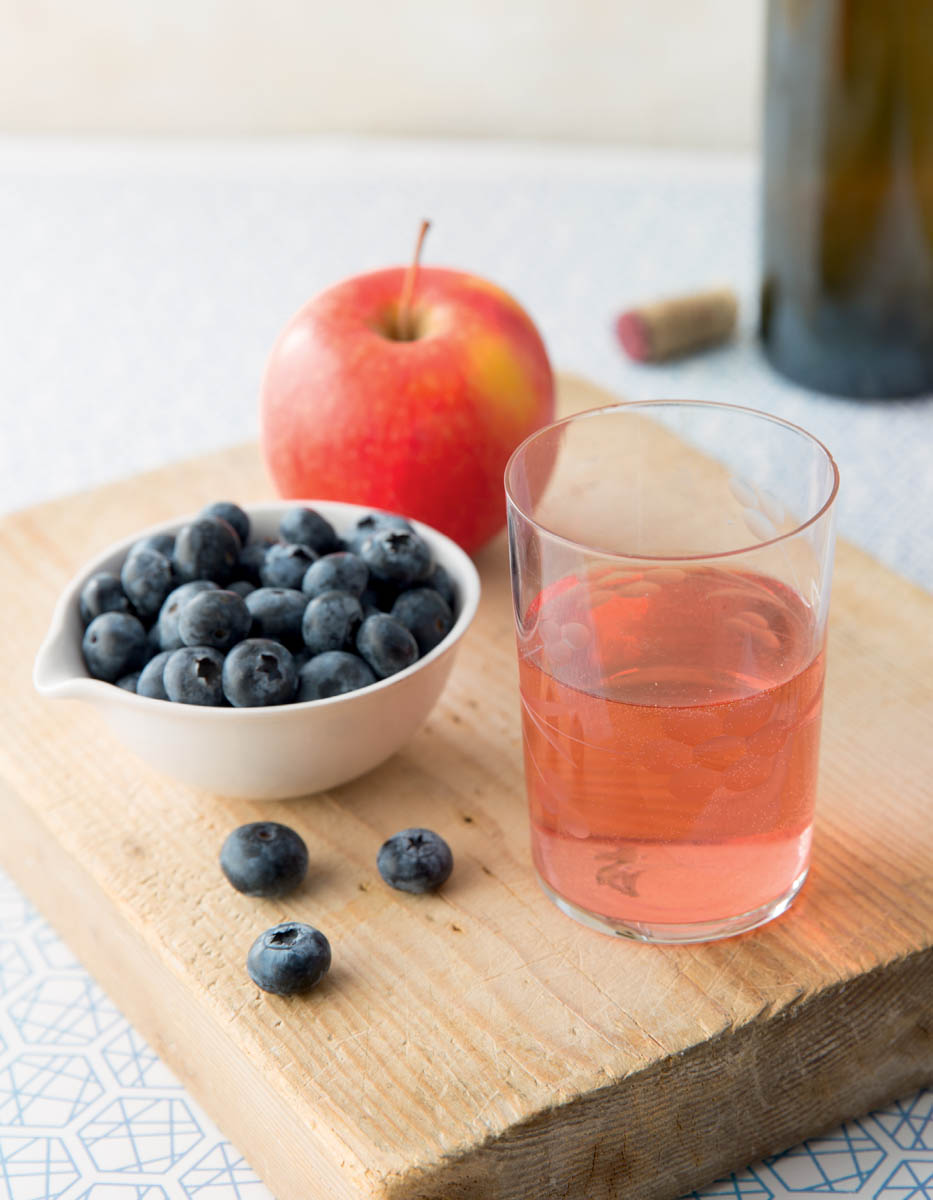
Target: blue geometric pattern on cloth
{"type": "Point", "coordinates": [14, 967]}
{"type": "Point", "coordinates": [909, 1123]}
{"type": "Point", "coordinates": [55, 953]}
{"type": "Point", "coordinates": [134, 1064]}
{"type": "Point", "coordinates": [221, 1175]}
{"type": "Point", "coordinates": [35, 1168]}
{"type": "Point", "coordinates": [46, 1089]}
{"type": "Point", "coordinates": [840, 1162]}
{"type": "Point", "coordinates": [910, 1180]}
{"type": "Point", "coordinates": [63, 1012]}
{"type": "Point", "coordinates": [141, 1135]}
{"type": "Point", "coordinates": [89, 1112]}
{"type": "Point", "coordinates": [123, 1191]}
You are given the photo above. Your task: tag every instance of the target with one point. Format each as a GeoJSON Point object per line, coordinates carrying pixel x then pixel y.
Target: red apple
{"type": "Point", "coordinates": [410, 403]}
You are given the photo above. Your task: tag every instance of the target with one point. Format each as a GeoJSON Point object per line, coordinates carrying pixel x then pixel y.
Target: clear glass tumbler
{"type": "Point", "coordinates": [671, 567]}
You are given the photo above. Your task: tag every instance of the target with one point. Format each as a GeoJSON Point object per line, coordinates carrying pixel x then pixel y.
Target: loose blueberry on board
{"type": "Point", "coordinates": [232, 514]}
{"type": "Point", "coordinates": [332, 674]}
{"type": "Point", "coordinates": [114, 645]}
{"type": "Point", "coordinates": [242, 587]}
{"type": "Point", "coordinates": [192, 675]}
{"type": "Point", "coordinates": [102, 593]}
{"type": "Point", "coordinates": [426, 614]}
{"type": "Point", "coordinates": [207, 548]}
{"type": "Point", "coordinates": [277, 613]}
{"type": "Point", "coordinates": [309, 528]}
{"type": "Point", "coordinates": [396, 555]}
{"type": "Point", "coordinates": [146, 577]}
{"type": "Point", "coordinates": [415, 860]}
{"type": "Point", "coordinates": [374, 523]}
{"type": "Point", "coordinates": [386, 645]}
{"type": "Point", "coordinates": [163, 542]}
{"type": "Point", "coordinates": [264, 858]}
{"type": "Point", "coordinates": [252, 556]}
{"type": "Point", "coordinates": [214, 618]}
{"type": "Point", "coordinates": [289, 958]}
{"type": "Point", "coordinates": [128, 682]}
{"type": "Point", "coordinates": [150, 683]}
{"type": "Point", "coordinates": [340, 572]}
{"type": "Point", "coordinates": [330, 622]}
{"type": "Point", "coordinates": [285, 564]}
{"type": "Point", "coordinates": [169, 613]}
{"type": "Point", "coordinates": [259, 672]}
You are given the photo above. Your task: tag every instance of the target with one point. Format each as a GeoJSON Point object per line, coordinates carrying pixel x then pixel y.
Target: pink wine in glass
{"type": "Point", "coordinates": [678, 789]}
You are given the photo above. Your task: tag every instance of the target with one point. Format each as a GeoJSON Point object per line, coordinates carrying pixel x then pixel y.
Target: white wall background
{"type": "Point", "coordinates": [663, 72]}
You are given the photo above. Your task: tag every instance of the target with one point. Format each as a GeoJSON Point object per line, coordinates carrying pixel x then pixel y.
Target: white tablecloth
{"type": "Point", "coordinates": [142, 288]}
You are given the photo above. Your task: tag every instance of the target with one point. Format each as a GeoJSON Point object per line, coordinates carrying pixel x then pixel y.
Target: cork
{"type": "Point", "coordinates": [678, 324]}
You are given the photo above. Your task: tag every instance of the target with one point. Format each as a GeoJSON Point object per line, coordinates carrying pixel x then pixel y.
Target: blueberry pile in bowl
{"type": "Point", "coordinates": [213, 617]}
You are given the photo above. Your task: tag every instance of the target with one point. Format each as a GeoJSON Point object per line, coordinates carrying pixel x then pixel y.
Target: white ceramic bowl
{"type": "Point", "coordinates": [262, 753]}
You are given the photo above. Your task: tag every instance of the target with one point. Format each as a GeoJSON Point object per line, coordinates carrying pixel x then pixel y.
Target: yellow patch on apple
{"type": "Point", "coordinates": [496, 371]}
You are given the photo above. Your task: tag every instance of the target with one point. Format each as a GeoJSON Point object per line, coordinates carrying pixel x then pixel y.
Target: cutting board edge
{"type": "Point", "coordinates": [500, 1166]}
{"type": "Point", "coordinates": [812, 1103]}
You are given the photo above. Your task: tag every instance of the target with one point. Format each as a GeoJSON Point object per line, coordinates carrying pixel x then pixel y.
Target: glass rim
{"type": "Point", "coordinates": [624, 406]}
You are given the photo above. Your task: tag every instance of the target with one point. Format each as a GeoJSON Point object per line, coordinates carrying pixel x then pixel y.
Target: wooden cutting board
{"type": "Point", "coordinates": [478, 1045]}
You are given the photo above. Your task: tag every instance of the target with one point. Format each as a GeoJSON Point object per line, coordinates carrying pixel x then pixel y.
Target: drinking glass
{"type": "Point", "coordinates": [671, 566]}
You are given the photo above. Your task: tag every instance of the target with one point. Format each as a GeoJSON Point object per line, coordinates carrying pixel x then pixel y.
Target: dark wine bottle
{"type": "Point", "coordinates": [847, 293]}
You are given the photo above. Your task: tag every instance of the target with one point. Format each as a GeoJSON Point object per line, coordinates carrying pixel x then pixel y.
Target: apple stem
{"type": "Point", "coordinates": [404, 320]}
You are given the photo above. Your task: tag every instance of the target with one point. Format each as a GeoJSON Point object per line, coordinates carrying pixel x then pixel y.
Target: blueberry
{"type": "Point", "coordinates": [163, 542]}
{"type": "Point", "coordinates": [232, 514]}
{"type": "Point", "coordinates": [259, 672]}
{"type": "Point", "coordinates": [214, 618]}
{"type": "Point", "coordinates": [308, 528]}
{"type": "Point", "coordinates": [277, 613]}
{"type": "Point", "coordinates": [252, 556]}
{"type": "Point", "coordinates": [386, 644]}
{"type": "Point", "coordinates": [129, 682]}
{"type": "Point", "coordinates": [440, 580]}
{"type": "Point", "coordinates": [147, 579]}
{"type": "Point", "coordinates": [373, 523]}
{"type": "Point", "coordinates": [242, 587]}
{"type": "Point", "coordinates": [264, 859]}
{"type": "Point", "coordinates": [396, 555]}
{"type": "Point", "coordinates": [102, 593]}
{"type": "Point", "coordinates": [150, 682]}
{"type": "Point", "coordinates": [208, 548]}
{"type": "Point", "coordinates": [192, 675]}
{"type": "Point", "coordinates": [175, 601]}
{"type": "Point", "coordinates": [285, 565]}
{"type": "Point", "coordinates": [426, 615]}
{"type": "Point", "coordinates": [289, 958]}
{"type": "Point", "coordinates": [332, 674]}
{"type": "Point", "coordinates": [115, 644]}
{"type": "Point", "coordinates": [331, 621]}
{"type": "Point", "coordinates": [415, 860]}
{"type": "Point", "coordinates": [340, 572]}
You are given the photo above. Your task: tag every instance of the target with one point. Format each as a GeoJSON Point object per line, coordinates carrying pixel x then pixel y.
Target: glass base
{"type": "Point", "coordinates": [700, 931]}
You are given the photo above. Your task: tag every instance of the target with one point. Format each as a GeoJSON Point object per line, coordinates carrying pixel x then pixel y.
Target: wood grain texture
{"type": "Point", "coordinates": [477, 1045]}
